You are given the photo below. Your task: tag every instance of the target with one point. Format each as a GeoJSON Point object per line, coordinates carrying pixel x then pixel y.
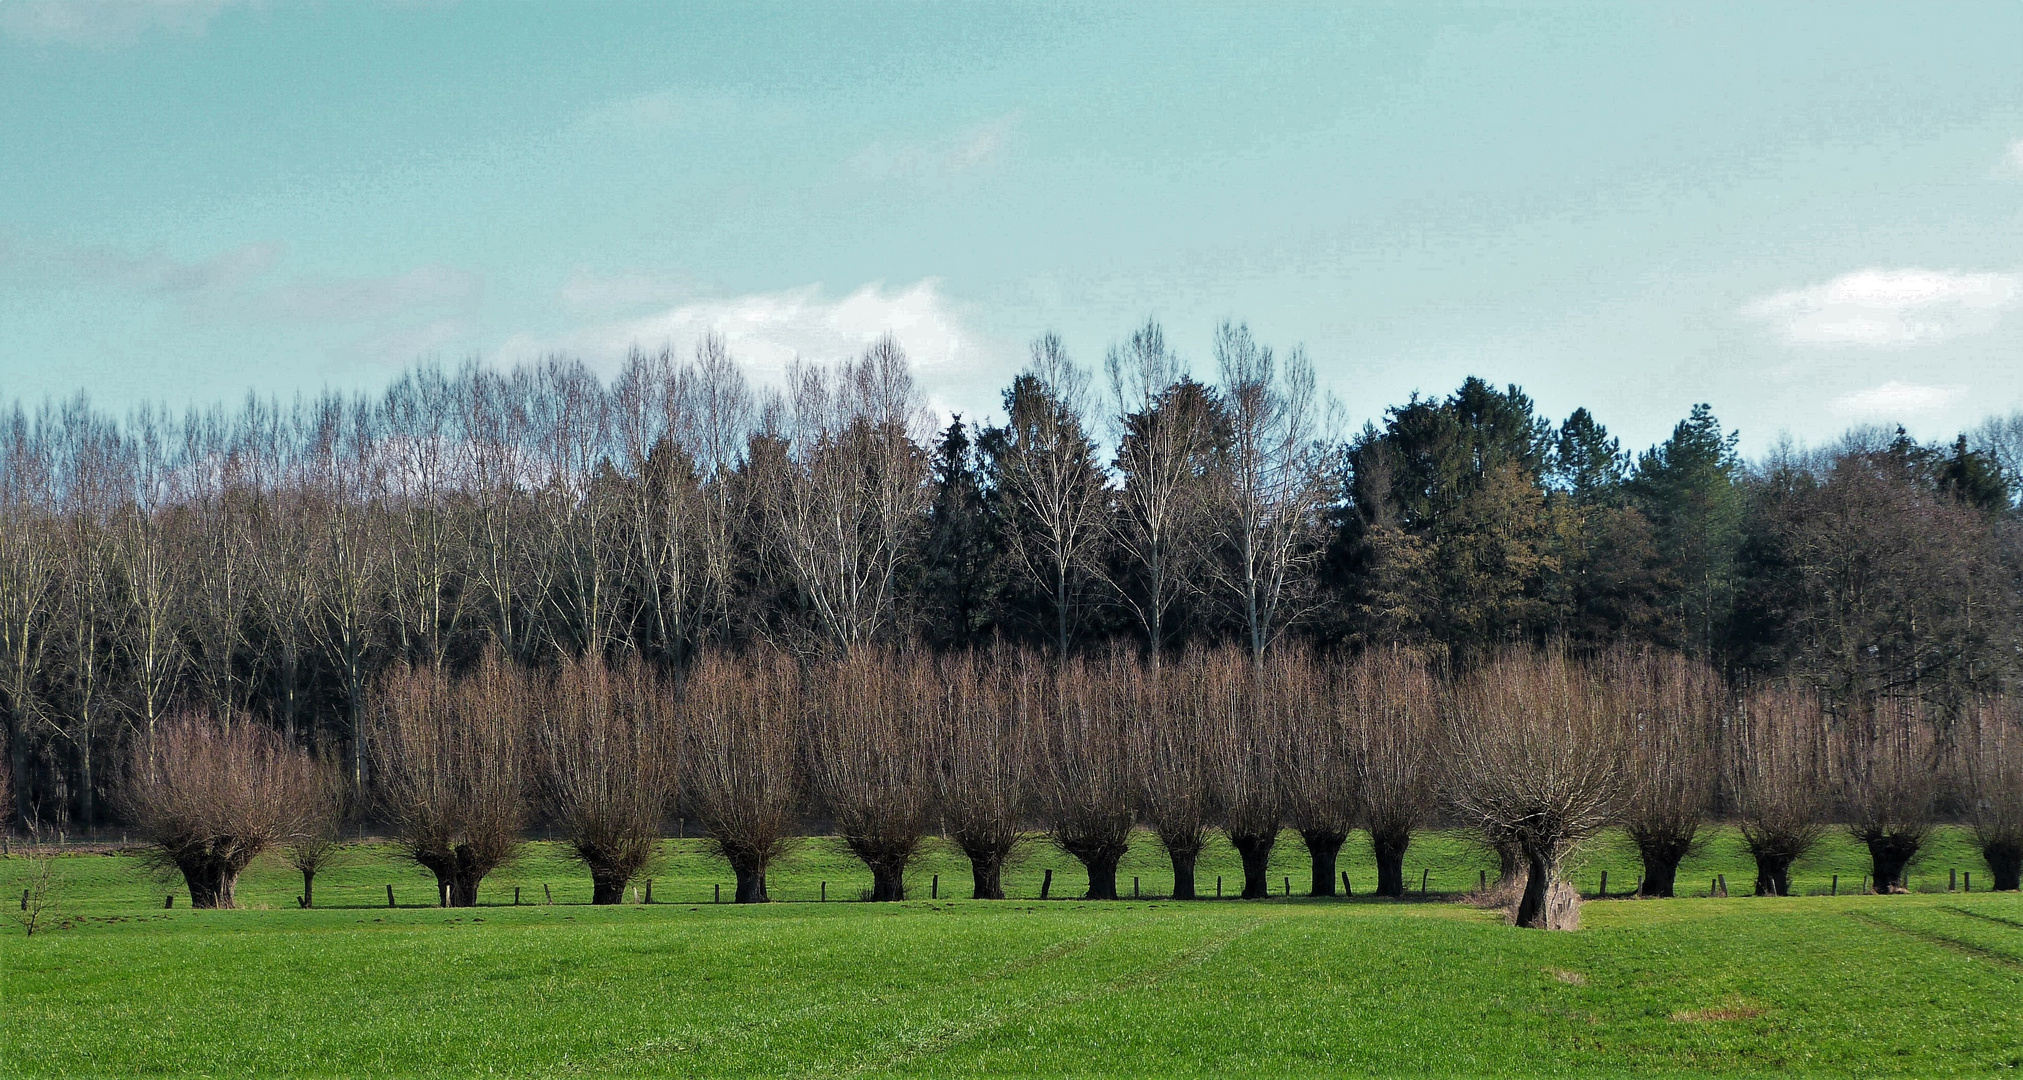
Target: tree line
{"type": "Point", "coordinates": [1534, 750]}
{"type": "Point", "coordinates": [280, 562]}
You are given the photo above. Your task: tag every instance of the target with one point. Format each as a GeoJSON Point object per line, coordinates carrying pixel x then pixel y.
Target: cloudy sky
{"type": "Point", "coordinates": [1809, 216]}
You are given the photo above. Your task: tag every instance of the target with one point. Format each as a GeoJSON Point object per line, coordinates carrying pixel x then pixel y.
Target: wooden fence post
{"type": "Point", "coordinates": [719, 893]}
{"type": "Point", "coordinates": [1952, 879]}
{"type": "Point", "coordinates": [1046, 884]}
{"type": "Point", "coordinates": [546, 892]}
{"type": "Point", "coordinates": [1346, 891]}
{"type": "Point", "coordinates": [1218, 886]}
{"type": "Point", "coordinates": [825, 892]}
{"type": "Point", "coordinates": [1425, 874]}
{"type": "Point", "coordinates": [389, 896]}
{"type": "Point", "coordinates": [1605, 885]}
{"type": "Point", "coordinates": [516, 896]}
{"type": "Point", "coordinates": [934, 891]}
{"type": "Point", "coordinates": [1134, 886]}
{"type": "Point", "coordinates": [1836, 886]}
{"type": "Point", "coordinates": [649, 890]}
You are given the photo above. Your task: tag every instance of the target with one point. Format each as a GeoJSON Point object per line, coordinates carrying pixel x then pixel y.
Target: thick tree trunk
{"type": "Point", "coordinates": [309, 888]}
{"type": "Point", "coordinates": [1509, 862]}
{"type": "Point", "coordinates": [1548, 903]}
{"type": "Point", "coordinates": [1183, 873]}
{"type": "Point", "coordinates": [1773, 874]}
{"type": "Point", "coordinates": [1662, 852]}
{"type": "Point", "coordinates": [751, 887]}
{"type": "Point", "coordinates": [212, 883]}
{"type": "Point", "coordinates": [888, 881]}
{"type": "Point", "coordinates": [607, 885]}
{"type": "Point", "coordinates": [1389, 847]}
{"type": "Point", "coordinates": [2005, 864]}
{"type": "Point", "coordinates": [1324, 846]}
{"type": "Point", "coordinates": [1102, 876]}
{"type": "Point", "coordinates": [1256, 852]}
{"type": "Point", "coordinates": [457, 877]}
{"type": "Point", "coordinates": [1891, 853]}
{"type": "Point", "coordinates": [986, 869]}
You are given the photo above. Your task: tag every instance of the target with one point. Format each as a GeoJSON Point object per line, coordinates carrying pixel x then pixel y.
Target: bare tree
{"type": "Point", "coordinates": [1167, 433]}
{"type": "Point", "coordinates": [871, 755]}
{"type": "Point", "coordinates": [1670, 709]}
{"type": "Point", "coordinates": [450, 758]}
{"type": "Point", "coordinates": [1391, 710]}
{"type": "Point", "coordinates": [740, 770]}
{"type": "Point", "coordinates": [1242, 724]}
{"type": "Point", "coordinates": [1269, 522]}
{"type": "Point", "coordinates": [1993, 752]}
{"type": "Point", "coordinates": [990, 708]}
{"type": "Point", "coordinates": [1778, 775]}
{"type": "Point", "coordinates": [28, 586]}
{"type": "Point", "coordinates": [853, 493]}
{"type": "Point", "coordinates": [1051, 491]}
{"type": "Point", "coordinates": [1886, 768]}
{"type": "Point", "coordinates": [210, 796]}
{"type": "Point", "coordinates": [1176, 782]}
{"type": "Point", "coordinates": [1088, 791]}
{"type": "Point", "coordinates": [607, 765]}
{"type": "Point", "coordinates": [1537, 758]}
{"type": "Point", "coordinates": [317, 843]}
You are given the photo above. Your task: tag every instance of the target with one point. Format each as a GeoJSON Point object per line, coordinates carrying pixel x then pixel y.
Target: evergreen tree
{"type": "Point", "coordinates": [960, 573]}
{"type": "Point", "coordinates": [1687, 487]}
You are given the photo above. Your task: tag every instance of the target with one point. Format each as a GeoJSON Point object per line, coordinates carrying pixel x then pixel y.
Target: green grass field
{"type": "Point", "coordinates": [1918, 984]}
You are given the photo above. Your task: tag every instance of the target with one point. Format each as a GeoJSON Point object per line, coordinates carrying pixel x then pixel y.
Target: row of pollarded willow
{"type": "Point", "coordinates": [1536, 751]}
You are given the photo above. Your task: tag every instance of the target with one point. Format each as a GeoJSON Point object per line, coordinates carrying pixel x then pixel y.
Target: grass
{"type": "Point", "coordinates": [1919, 984]}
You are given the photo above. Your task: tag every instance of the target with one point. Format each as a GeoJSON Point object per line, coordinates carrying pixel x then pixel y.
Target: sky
{"type": "Point", "coordinates": [1809, 216]}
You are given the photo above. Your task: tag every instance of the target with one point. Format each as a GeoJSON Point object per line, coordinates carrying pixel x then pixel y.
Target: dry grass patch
{"type": "Point", "coordinates": [1743, 1011]}
{"type": "Point", "coordinates": [1571, 978]}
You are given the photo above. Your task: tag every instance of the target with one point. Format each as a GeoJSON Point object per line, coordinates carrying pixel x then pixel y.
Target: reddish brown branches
{"type": "Point", "coordinates": [1242, 723]}
{"type": "Point", "coordinates": [1778, 775]}
{"type": "Point", "coordinates": [606, 751]}
{"type": "Point", "coordinates": [1886, 767]}
{"type": "Point", "coordinates": [1992, 753]}
{"type": "Point", "coordinates": [1088, 786]}
{"type": "Point", "coordinates": [1669, 707]}
{"type": "Point", "coordinates": [741, 773]}
{"type": "Point", "coordinates": [210, 797]}
{"type": "Point", "coordinates": [1537, 759]}
{"type": "Point", "coordinates": [989, 712]}
{"type": "Point", "coordinates": [1176, 784]}
{"type": "Point", "coordinates": [450, 756]}
{"type": "Point", "coordinates": [870, 754]}
{"type": "Point", "coordinates": [1390, 710]}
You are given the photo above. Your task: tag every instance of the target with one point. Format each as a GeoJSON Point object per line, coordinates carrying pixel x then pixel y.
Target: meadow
{"type": "Point", "coordinates": [1851, 984]}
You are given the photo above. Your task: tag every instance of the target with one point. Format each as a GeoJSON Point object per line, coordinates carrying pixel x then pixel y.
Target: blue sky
{"type": "Point", "coordinates": [1809, 215]}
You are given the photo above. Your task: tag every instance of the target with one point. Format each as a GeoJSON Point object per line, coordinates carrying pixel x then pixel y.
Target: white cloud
{"type": "Point", "coordinates": [972, 149]}
{"type": "Point", "coordinates": [104, 22]}
{"type": "Point", "coordinates": [768, 331]}
{"type": "Point", "coordinates": [1895, 400]}
{"type": "Point", "coordinates": [2013, 160]}
{"type": "Point", "coordinates": [1880, 307]}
